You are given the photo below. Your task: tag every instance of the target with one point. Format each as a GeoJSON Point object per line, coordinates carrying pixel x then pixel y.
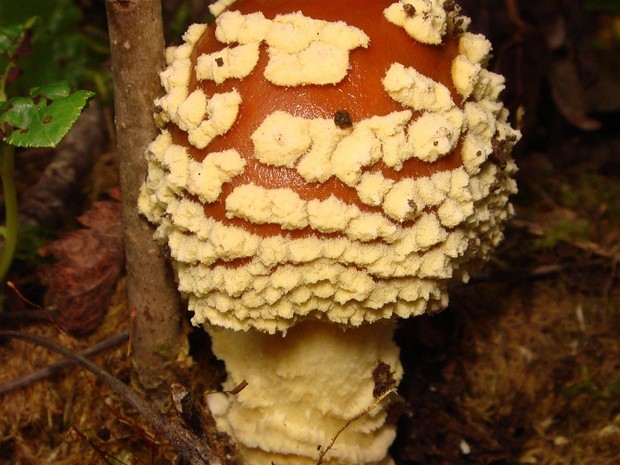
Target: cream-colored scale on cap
{"type": "Point", "coordinates": [300, 68]}
{"type": "Point", "coordinates": [426, 235]}
{"type": "Point", "coordinates": [221, 112]}
{"type": "Point", "coordinates": [315, 164]}
{"type": "Point", "coordinates": [229, 63]}
{"type": "Point", "coordinates": [233, 27]}
{"type": "Point", "coordinates": [465, 75]}
{"type": "Point", "coordinates": [318, 149]}
{"type": "Point", "coordinates": [372, 188]}
{"type": "Point", "coordinates": [206, 178]}
{"type": "Point", "coordinates": [475, 47]}
{"type": "Point", "coordinates": [295, 43]}
{"type": "Point", "coordinates": [424, 20]}
{"type": "Point", "coordinates": [433, 135]}
{"type": "Point", "coordinates": [218, 7]}
{"type": "Point", "coordinates": [174, 79]}
{"type": "Point", "coordinates": [259, 206]}
{"type": "Point", "coordinates": [281, 139]}
{"type": "Point", "coordinates": [436, 132]}
{"type": "Point", "coordinates": [411, 88]}
{"type": "Point", "coordinates": [191, 112]}
{"type": "Point", "coordinates": [489, 85]}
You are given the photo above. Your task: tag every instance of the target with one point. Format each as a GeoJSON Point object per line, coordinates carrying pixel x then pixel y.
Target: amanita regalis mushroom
{"type": "Point", "coordinates": [324, 168]}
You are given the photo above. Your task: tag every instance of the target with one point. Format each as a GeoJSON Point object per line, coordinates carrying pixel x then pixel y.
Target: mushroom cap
{"type": "Point", "coordinates": [329, 160]}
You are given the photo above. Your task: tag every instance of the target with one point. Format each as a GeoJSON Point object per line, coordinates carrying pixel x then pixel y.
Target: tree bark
{"type": "Point", "coordinates": [137, 46]}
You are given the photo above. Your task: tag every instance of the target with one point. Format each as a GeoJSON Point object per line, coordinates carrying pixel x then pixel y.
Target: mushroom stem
{"type": "Point", "coordinates": [303, 388]}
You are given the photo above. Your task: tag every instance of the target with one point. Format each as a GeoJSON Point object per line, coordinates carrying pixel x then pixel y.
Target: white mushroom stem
{"type": "Point", "coordinates": [304, 388]}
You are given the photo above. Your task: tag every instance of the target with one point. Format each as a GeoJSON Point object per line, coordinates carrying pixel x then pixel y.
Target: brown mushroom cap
{"type": "Point", "coordinates": [360, 93]}
{"type": "Point", "coordinates": [381, 245]}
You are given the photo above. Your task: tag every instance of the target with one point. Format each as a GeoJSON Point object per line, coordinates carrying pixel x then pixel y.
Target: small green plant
{"type": "Point", "coordinates": [40, 119]}
{"type": "Point", "coordinates": [588, 386]}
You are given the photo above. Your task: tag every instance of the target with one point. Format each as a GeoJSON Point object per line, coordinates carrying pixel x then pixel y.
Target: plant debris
{"type": "Point", "coordinates": [88, 264]}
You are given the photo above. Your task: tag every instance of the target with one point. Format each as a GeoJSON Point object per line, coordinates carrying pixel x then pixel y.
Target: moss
{"type": "Point", "coordinates": [590, 192]}
{"type": "Point", "coordinates": [564, 231]}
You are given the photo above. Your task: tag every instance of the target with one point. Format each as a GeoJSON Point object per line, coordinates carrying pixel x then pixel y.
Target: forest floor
{"type": "Point", "coordinates": [523, 367]}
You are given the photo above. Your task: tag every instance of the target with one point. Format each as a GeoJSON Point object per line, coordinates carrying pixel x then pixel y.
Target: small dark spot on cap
{"type": "Point", "coordinates": [342, 119]}
{"type": "Point", "coordinates": [409, 9]}
{"type": "Point", "coordinates": [47, 119]}
{"type": "Point", "coordinates": [219, 61]}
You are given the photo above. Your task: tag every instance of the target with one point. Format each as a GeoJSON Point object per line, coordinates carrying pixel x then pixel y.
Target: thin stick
{"type": "Point", "coordinates": [137, 56]}
{"type": "Point", "coordinates": [367, 410]}
{"type": "Point", "coordinates": [54, 368]}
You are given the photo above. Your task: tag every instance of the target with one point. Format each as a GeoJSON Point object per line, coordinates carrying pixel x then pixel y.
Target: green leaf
{"type": "Point", "coordinates": [42, 119]}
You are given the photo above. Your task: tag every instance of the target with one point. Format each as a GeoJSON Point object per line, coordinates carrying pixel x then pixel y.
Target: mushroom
{"type": "Point", "coordinates": [324, 168]}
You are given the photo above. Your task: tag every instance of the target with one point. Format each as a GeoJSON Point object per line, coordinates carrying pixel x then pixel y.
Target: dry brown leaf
{"type": "Point", "coordinates": [569, 95]}
{"type": "Point", "coordinates": [87, 265]}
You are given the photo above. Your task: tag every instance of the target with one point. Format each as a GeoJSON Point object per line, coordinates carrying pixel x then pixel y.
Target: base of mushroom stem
{"type": "Point", "coordinates": [317, 383]}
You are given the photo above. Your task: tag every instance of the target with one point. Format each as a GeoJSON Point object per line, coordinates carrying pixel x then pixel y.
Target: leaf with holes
{"type": "Point", "coordinates": [42, 119]}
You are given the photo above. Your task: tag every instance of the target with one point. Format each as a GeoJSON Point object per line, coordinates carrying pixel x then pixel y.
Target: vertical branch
{"type": "Point", "coordinates": [137, 46]}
